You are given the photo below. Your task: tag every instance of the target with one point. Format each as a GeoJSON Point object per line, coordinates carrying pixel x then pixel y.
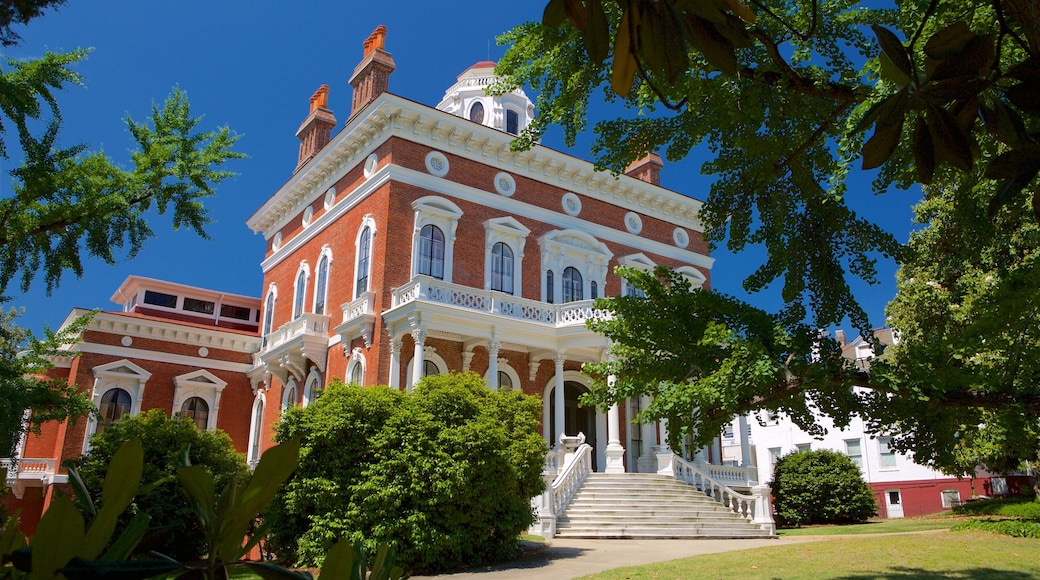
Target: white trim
{"type": "Point", "coordinates": [442, 213]}
{"type": "Point", "coordinates": [509, 206]}
{"type": "Point", "coordinates": [505, 367]}
{"type": "Point", "coordinates": [505, 184]}
{"type": "Point", "coordinates": [312, 386]}
{"type": "Point", "coordinates": [326, 253]}
{"type": "Point", "coordinates": [120, 374]}
{"type": "Point", "coordinates": [571, 204]}
{"type": "Point", "coordinates": [370, 223]}
{"type": "Point", "coordinates": [437, 164]}
{"type": "Point", "coordinates": [162, 356]}
{"type": "Point", "coordinates": [429, 354]}
{"type": "Point", "coordinates": [695, 276]}
{"type": "Point", "coordinates": [298, 300]}
{"type": "Point", "coordinates": [577, 249]}
{"type": "Point", "coordinates": [202, 384]}
{"type": "Point", "coordinates": [290, 386]}
{"type": "Point", "coordinates": [357, 359]}
{"type": "Point", "coordinates": [633, 223]}
{"type": "Point", "coordinates": [512, 233]}
{"type": "Point", "coordinates": [259, 401]}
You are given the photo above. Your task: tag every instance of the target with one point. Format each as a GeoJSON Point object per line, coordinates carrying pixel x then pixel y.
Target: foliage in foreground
{"type": "Point", "coordinates": [1012, 508]}
{"type": "Point", "coordinates": [1016, 528]}
{"type": "Point", "coordinates": [446, 472]}
{"type": "Point", "coordinates": [820, 487]}
{"type": "Point", "coordinates": [66, 545]}
{"type": "Point", "coordinates": [164, 439]}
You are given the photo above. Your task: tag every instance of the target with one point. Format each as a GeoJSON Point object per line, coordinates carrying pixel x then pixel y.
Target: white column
{"type": "Point", "coordinates": [419, 336]}
{"type": "Point", "coordinates": [648, 433]}
{"type": "Point", "coordinates": [745, 444]}
{"type": "Point", "coordinates": [395, 363]}
{"type": "Point", "coordinates": [663, 451]}
{"type": "Point", "coordinates": [560, 414]}
{"type": "Point", "coordinates": [493, 347]}
{"type": "Point", "coordinates": [615, 453]}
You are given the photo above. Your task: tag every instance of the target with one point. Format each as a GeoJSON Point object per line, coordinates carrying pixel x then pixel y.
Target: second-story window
{"type": "Point", "coordinates": [301, 291]}
{"type": "Point", "coordinates": [115, 403]}
{"type": "Point", "coordinates": [512, 122]}
{"type": "Point", "coordinates": [550, 291]}
{"type": "Point", "coordinates": [502, 268]}
{"type": "Point", "coordinates": [268, 315]}
{"type": "Point", "coordinates": [364, 257]}
{"type": "Point", "coordinates": [572, 285]}
{"type": "Point", "coordinates": [431, 252]}
{"type": "Point", "coordinates": [196, 409]}
{"type": "Point", "coordinates": [321, 283]}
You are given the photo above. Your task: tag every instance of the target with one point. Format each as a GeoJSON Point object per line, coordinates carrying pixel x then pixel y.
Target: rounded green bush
{"type": "Point", "coordinates": [820, 487]}
{"type": "Point", "coordinates": [175, 529]}
{"type": "Point", "coordinates": [445, 472]}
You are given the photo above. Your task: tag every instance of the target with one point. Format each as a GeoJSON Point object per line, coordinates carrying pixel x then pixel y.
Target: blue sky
{"type": "Point", "coordinates": [253, 66]}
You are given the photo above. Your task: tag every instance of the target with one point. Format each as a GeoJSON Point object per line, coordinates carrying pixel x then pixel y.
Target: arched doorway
{"type": "Point", "coordinates": [577, 419]}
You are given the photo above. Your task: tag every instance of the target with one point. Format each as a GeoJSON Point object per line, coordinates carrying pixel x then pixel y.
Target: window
{"type": "Point", "coordinates": [197, 410]}
{"type": "Point", "coordinates": [727, 431]}
{"type": "Point", "coordinates": [476, 113]}
{"type": "Point", "coordinates": [160, 299]}
{"type": "Point", "coordinates": [854, 449]}
{"type": "Point", "coordinates": [431, 252]}
{"type": "Point", "coordinates": [951, 498]}
{"type": "Point", "coordinates": [888, 456]}
{"type": "Point", "coordinates": [512, 122]}
{"type": "Point", "coordinates": [893, 497]}
{"type": "Point", "coordinates": [290, 396]}
{"type": "Point", "coordinates": [572, 284]}
{"type": "Point", "coordinates": [593, 290]}
{"type": "Point", "coordinates": [633, 292]}
{"type": "Point", "coordinates": [321, 282]}
{"type": "Point", "coordinates": [115, 403]}
{"type": "Point", "coordinates": [505, 382]}
{"type": "Point", "coordinates": [312, 388]}
{"type": "Point", "coordinates": [502, 268]}
{"type": "Point", "coordinates": [430, 368]}
{"type": "Point", "coordinates": [301, 291]}
{"type": "Point", "coordinates": [357, 374]}
{"type": "Point", "coordinates": [549, 290]}
{"type": "Point", "coordinates": [236, 312]}
{"type": "Point", "coordinates": [201, 306]}
{"type": "Point", "coordinates": [268, 314]}
{"type": "Point", "coordinates": [364, 246]}
{"type": "Point", "coordinates": [256, 434]}
{"type": "Point", "coordinates": [774, 455]}
{"type": "Point", "coordinates": [804, 447]}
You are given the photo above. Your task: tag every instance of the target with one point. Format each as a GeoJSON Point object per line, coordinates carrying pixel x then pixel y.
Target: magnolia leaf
{"type": "Point", "coordinates": [123, 476]}
{"type": "Point", "coordinates": [555, 13]}
{"type": "Point", "coordinates": [1036, 204]}
{"type": "Point", "coordinates": [82, 569]}
{"type": "Point", "coordinates": [955, 88]}
{"type": "Point", "coordinates": [1025, 96]}
{"type": "Point", "coordinates": [128, 539]}
{"type": "Point", "coordinates": [1027, 71]}
{"type": "Point", "coordinates": [597, 31]}
{"type": "Point", "coordinates": [924, 152]}
{"type": "Point", "coordinates": [58, 537]}
{"type": "Point", "coordinates": [198, 485]}
{"type": "Point", "coordinates": [948, 41]}
{"type": "Point", "coordinates": [879, 148]}
{"type": "Point", "coordinates": [340, 561]}
{"type": "Point", "coordinates": [716, 49]}
{"type": "Point", "coordinates": [894, 49]}
{"type": "Point", "coordinates": [625, 65]}
{"type": "Point", "coordinates": [1006, 193]}
{"type": "Point", "coordinates": [269, 571]}
{"type": "Point", "coordinates": [1004, 123]}
{"type": "Point", "coordinates": [576, 13]}
{"type": "Point", "coordinates": [1020, 163]}
{"type": "Point", "coordinates": [951, 144]}
{"type": "Point", "coordinates": [970, 63]}
{"type": "Point", "coordinates": [892, 72]}
{"type": "Point", "coordinates": [741, 10]}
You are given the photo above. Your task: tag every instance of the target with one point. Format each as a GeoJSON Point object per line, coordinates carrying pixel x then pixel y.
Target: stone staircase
{"type": "Point", "coordinates": [644, 505]}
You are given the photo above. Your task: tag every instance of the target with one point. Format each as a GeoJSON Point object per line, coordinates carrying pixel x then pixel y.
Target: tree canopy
{"type": "Point", "coordinates": [795, 100]}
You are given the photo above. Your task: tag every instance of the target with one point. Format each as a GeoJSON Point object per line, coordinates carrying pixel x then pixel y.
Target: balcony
{"type": "Point", "coordinates": [430, 290]}
{"type": "Point", "coordinates": [287, 350]}
{"type": "Point", "coordinates": [31, 472]}
{"type": "Point", "coordinates": [359, 317]}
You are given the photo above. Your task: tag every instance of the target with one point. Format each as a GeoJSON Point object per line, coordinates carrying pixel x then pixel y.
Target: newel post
{"type": "Point", "coordinates": [763, 509]}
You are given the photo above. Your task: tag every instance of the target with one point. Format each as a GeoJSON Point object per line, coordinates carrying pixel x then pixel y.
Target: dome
{"type": "Point", "coordinates": [467, 98]}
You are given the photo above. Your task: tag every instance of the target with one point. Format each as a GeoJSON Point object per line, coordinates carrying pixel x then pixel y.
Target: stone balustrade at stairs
{"type": "Point", "coordinates": [643, 505]}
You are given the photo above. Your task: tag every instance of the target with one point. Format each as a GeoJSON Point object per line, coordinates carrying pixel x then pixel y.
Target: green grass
{"type": "Point", "coordinates": [1011, 508]}
{"type": "Point", "coordinates": [890, 526]}
{"type": "Point", "coordinates": [972, 554]}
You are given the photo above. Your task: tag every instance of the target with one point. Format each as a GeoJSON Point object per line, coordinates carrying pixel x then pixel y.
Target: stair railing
{"type": "Point", "coordinates": [571, 477]}
{"type": "Point", "coordinates": [754, 508]}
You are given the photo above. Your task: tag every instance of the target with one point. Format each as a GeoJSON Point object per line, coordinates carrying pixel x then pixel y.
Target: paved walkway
{"type": "Point", "coordinates": [563, 559]}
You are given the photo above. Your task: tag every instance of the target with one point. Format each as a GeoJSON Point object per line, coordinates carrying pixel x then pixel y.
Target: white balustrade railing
{"type": "Point", "coordinates": [730, 475]}
{"type": "Point", "coordinates": [754, 507]}
{"type": "Point", "coordinates": [29, 468]}
{"type": "Point", "coordinates": [306, 324]}
{"type": "Point", "coordinates": [365, 304]}
{"type": "Point", "coordinates": [571, 477]}
{"type": "Point", "coordinates": [431, 290]}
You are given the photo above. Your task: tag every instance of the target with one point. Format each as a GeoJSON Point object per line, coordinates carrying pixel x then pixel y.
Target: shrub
{"type": "Point", "coordinates": [1011, 507]}
{"type": "Point", "coordinates": [1014, 528]}
{"type": "Point", "coordinates": [445, 472]}
{"type": "Point", "coordinates": [176, 530]}
{"type": "Point", "coordinates": [820, 487]}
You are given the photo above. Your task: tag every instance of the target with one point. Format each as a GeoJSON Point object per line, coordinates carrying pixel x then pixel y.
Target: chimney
{"type": "Point", "coordinates": [839, 335]}
{"type": "Point", "coordinates": [316, 129]}
{"type": "Point", "coordinates": [372, 76]}
{"type": "Point", "coordinates": [647, 169]}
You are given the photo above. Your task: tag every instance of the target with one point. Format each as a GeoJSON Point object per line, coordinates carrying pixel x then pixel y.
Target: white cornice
{"type": "Point", "coordinates": [160, 356]}
{"type": "Point", "coordinates": [390, 115]}
{"type": "Point", "coordinates": [508, 205]}
{"type": "Point", "coordinates": [116, 323]}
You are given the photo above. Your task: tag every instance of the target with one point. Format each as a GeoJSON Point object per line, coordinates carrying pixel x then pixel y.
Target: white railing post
{"type": "Point", "coordinates": [754, 508]}
{"type": "Point", "coordinates": [763, 509]}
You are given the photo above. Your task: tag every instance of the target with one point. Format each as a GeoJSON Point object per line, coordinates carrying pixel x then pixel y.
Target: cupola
{"type": "Point", "coordinates": [468, 98]}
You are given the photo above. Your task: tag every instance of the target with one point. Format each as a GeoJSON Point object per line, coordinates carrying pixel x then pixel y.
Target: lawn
{"type": "Point", "coordinates": [889, 526]}
{"type": "Point", "coordinates": [907, 557]}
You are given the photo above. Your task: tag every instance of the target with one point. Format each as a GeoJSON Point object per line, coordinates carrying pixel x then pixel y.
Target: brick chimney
{"type": "Point", "coordinates": [839, 335]}
{"type": "Point", "coordinates": [372, 76]}
{"type": "Point", "coordinates": [316, 129]}
{"type": "Point", "coordinates": [647, 169]}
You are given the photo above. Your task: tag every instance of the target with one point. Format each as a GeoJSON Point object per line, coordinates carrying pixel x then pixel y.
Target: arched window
{"type": "Point", "coordinates": [321, 284]}
{"type": "Point", "coordinates": [301, 291]}
{"type": "Point", "coordinates": [549, 290]}
{"type": "Point", "coordinates": [512, 122]}
{"type": "Point", "coordinates": [593, 290]}
{"type": "Point", "coordinates": [364, 257]}
{"type": "Point", "coordinates": [268, 315]}
{"type": "Point", "coordinates": [572, 285]}
{"type": "Point", "coordinates": [430, 368]}
{"type": "Point", "coordinates": [502, 268]}
{"type": "Point", "coordinates": [505, 382]}
{"type": "Point", "coordinates": [431, 252]}
{"type": "Point", "coordinates": [196, 409]}
{"type": "Point", "coordinates": [257, 433]}
{"type": "Point", "coordinates": [312, 388]}
{"type": "Point", "coordinates": [476, 112]}
{"type": "Point", "coordinates": [290, 397]}
{"type": "Point", "coordinates": [357, 374]}
{"type": "Point", "coordinates": [114, 404]}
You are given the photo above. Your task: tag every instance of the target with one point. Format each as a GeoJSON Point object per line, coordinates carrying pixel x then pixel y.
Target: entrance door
{"type": "Point", "coordinates": [893, 503]}
{"type": "Point", "coordinates": [576, 419]}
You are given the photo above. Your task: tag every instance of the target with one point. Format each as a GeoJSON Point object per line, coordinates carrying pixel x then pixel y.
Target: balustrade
{"type": "Point", "coordinates": [754, 508]}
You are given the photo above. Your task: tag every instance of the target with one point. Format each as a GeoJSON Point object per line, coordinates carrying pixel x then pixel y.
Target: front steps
{"type": "Point", "coordinates": [645, 505]}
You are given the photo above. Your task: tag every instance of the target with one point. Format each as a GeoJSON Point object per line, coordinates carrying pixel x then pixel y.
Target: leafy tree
{"type": "Point", "coordinates": [164, 439]}
{"type": "Point", "coordinates": [783, 93]}
{"type": "Point", "coordinates": [14, 12]}
{"type": "Point", "coordinates": [445, 472]}
{"type": "Point", "coordinates": [820, 487]}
